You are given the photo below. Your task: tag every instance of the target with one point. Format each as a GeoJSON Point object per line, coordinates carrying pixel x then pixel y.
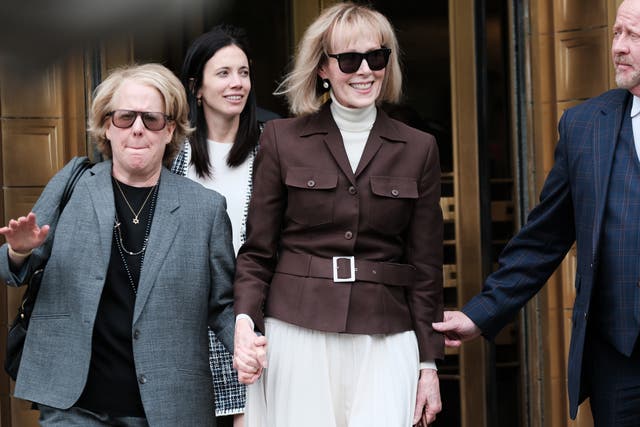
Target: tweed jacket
{"type": "Point", "coordinates": [308, 206]}
{"type": "Point", "coordinates": [185, 285]}
{"type": "Point", "coordinates": [571, 208]}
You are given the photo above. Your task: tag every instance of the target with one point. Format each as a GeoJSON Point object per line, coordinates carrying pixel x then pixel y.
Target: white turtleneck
{"type": "Point", "coordinates": [355, 125]}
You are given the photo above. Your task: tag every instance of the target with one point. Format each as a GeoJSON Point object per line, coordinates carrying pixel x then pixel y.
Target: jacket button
{"type": "Point", "coordinates": [311, 183]}
{"type": "Point", "coordinates": [395, 192]}
{"type": "Point", "coordinates": [352, 190]}
{"type": "Point", "coordinates": [348, 235]}
{"type": "Point", "coordinates": [142, 379]}
{"type": "Point", "coordinates": [136, 334]}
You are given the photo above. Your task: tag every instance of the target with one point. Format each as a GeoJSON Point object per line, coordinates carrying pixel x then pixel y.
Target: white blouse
{"type": "Point", "coordinates": [232, 183]}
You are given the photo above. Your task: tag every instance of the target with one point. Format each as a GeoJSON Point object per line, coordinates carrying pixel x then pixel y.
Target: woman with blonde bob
{"type": "Point", "coordinates": [341, 272]}
{"type": "Point", "coordinates": [138, 265]}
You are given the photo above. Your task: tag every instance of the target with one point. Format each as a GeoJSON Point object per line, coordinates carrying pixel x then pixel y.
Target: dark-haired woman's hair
{"type": "Point", "coordinates": [199, 53]}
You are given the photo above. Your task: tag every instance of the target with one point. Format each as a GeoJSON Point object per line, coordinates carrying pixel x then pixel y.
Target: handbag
{"type": "Point", "coordinates": [18, 330]}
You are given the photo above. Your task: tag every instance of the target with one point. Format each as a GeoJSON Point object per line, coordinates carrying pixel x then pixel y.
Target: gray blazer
{"type": "Point", "coordinates": [185, 285]}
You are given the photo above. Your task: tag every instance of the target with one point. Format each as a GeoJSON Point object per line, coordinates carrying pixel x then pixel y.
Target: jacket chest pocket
{"type": "Point", "coordinates": [311, 194]}
{"type": "Point", "coordinates": [391, 203]}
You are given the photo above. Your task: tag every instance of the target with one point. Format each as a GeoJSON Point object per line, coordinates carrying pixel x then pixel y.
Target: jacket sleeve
{"type": "Point", "coordinates": [533, 254]}
{"type": "Point", "coordinates": [221, 261]}
{"type": "Point", "coordinates": [257, 256]}
{"type": "Point", "coordinates": [424, 252]}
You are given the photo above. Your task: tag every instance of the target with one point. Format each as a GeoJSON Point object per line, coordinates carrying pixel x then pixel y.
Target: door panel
{"type": "Point", "coordinates": [32, 151]}
{"type": "Point", "coordinates": [31, 93]}
{"type": "Point", "coordinates": [42, 125]}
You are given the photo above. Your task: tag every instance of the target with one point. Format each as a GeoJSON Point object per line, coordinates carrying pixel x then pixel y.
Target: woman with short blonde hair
{"type": "Point", "coordinates": [153, 75]}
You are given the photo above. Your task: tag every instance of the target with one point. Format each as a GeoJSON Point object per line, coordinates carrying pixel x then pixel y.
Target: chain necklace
{"type": "Point", "coordinates": [133, 285]}
{"type": "Point", "coordinates": [120, 242]}
{"type": "Point", "coordinates": [135, 219]}
{"type": "Point", "coordinates": [122, 250]}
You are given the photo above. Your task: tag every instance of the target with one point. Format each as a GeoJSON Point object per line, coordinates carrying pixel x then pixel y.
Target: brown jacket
{"type": "Point", "coordinates": [308, 207]}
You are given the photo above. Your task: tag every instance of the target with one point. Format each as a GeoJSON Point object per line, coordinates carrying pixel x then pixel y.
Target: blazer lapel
{"type": "Point", "coordinates": [605, 139]}
{"type": "Point", "coordinates": [323, 123]}
{"type": "Point", "coordinates": [374, 142]}
{"type": "Point", "coordinates": [101, 192]}
{"type": "Point", "coordinates": [164, 228]}
{"type": "Point", "coordinates": [334, 143]}
{"type": "Point", "coordinates": [383, 130]}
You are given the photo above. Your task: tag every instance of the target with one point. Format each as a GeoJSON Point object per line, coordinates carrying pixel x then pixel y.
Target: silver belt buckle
{"type": "Point", "coordinates": [352, 267]}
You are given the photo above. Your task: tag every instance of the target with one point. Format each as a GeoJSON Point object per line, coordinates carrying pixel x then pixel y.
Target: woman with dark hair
{"type": "Point", "coordinates": [219, 155]}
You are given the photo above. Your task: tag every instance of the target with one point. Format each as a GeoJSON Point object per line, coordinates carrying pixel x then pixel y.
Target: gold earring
{"type": "Point", "coordinates": [199, 101]}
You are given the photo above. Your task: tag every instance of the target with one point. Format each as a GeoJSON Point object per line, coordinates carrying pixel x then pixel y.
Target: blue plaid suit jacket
{"type": "Point", "coordinates": [571, 209]}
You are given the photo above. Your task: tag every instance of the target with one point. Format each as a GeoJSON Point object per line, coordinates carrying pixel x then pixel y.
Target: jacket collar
{"type": "Point", "coordinates": [323, 123]}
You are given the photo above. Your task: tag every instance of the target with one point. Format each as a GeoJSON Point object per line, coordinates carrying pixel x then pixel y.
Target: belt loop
{"type": "Point", "coordinates": [307, 267]}
{"type": "Point", "coordinates": [381, 272]}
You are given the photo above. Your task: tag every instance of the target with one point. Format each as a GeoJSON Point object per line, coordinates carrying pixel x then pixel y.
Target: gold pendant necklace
{"type": "Point", "coordinates": [135, 219]}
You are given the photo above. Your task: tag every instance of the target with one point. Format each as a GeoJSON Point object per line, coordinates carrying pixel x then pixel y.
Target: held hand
{"type": "Point", "coordinates": [23, 234]}
{"type": "Point", "coordinates": [250, 353]}
{"type": "Point", "coordinates": [456, 327]}
{"type": "Point", "coordinates": [428, 403]}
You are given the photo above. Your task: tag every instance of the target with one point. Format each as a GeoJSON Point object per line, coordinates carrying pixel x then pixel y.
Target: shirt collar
{"type": "Point", "coordinates": [635, 107]}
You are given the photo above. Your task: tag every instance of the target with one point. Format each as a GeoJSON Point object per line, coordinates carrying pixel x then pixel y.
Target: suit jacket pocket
{"type": "Point", "coordinates": [311, 194]}
{"type": "Point", "coordinates": [392, 203]}
{"type": "Point", "coordinates": [199, 373]}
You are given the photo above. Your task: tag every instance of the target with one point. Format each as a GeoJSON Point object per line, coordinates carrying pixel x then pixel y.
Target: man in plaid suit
{"type": "Point", "coordinates": [591, 197]}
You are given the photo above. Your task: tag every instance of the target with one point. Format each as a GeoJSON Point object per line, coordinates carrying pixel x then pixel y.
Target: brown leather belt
{"type": "Point", "coordinates": [346, 269]}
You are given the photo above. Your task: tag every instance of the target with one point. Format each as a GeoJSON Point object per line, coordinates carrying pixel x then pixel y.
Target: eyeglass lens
{"type": "Point", "coordinates": [152, 120]}
{"type": "Point", "coordinates": [349, 62]}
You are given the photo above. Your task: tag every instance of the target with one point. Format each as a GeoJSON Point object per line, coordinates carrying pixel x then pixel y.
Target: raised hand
{"type": "Point", "coordinates": [23, 235]}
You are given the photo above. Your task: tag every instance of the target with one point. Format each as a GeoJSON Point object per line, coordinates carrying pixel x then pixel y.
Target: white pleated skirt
{"type": "Point", "coordinates": [322, 379]}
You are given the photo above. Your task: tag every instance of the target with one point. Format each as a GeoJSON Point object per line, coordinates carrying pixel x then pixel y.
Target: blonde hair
{"type": "Point", "coordinates": [301, 86]}
{"type": "Point", "coordinates": [156, 76]}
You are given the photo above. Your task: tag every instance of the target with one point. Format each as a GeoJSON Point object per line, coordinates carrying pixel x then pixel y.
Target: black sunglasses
{"type": "Point", "coordinates": [124, 119]}
{"type": "Point", "coordinates": [349, 62]}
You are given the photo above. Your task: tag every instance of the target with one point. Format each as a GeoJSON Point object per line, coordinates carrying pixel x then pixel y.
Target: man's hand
{"type": "Point", "coordinates": [456, 327]}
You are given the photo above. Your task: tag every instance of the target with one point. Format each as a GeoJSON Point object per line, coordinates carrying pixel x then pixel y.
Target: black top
{"type": "Point", "coordinates": [112, 386]}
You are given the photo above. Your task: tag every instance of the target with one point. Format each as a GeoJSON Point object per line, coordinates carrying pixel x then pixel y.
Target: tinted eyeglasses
{"type": "Point", "coordinates": [124, 119]}
{"type": "Point", "coordinates": [349, 62]}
